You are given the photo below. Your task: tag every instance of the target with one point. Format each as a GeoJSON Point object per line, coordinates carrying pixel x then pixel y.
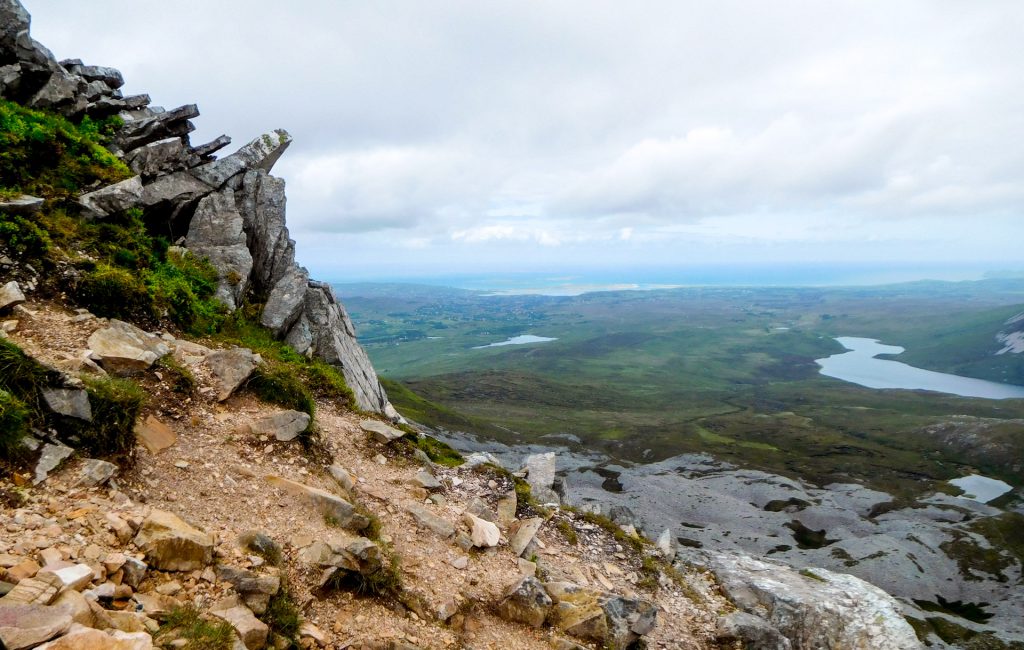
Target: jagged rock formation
{"type": "Point", "coordinates": [229, 210]}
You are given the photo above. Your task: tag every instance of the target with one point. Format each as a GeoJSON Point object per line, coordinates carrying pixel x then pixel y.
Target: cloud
{"type": "Point", "coordinates": [576, 128]}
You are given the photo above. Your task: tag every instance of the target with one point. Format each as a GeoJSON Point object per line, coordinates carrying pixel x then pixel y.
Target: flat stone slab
{"type": "Point", "coordinates": [341, 511]}
{"type": "Point", "coordinates": [155, 435]}
{"type": "Point", "coordinates": [24, 205]}
{"type": "Point", "coordinates": [381, 432]}
{"type": "Point", "coordinates": [25, 626]}
{"type": "Point", "coordinates": [427, 519]}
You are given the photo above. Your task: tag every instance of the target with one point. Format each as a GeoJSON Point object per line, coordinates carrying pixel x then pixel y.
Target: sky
{"type": "Point", "coordinates": [477, 136]}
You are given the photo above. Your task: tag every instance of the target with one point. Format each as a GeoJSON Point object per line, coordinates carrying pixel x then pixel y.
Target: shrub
{"type": "Point", "coordinates": [115, 293]}
{"type": "Point", "coordinates": [182, 288]}
{"type": "Point", "coordinates": [14, 418]}
{"type": "Point", "coordinates": [115, 406]}
{"type": "Point", "coordinates": [279, 384]}
{"type": "Point", "coordinates": [23, 238]}
{"type": "Point", "coordinates": [49, 156]}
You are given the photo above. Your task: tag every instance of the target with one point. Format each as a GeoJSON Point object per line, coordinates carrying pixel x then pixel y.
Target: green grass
{"type": "Point", "coordinates": [115, 407]}
{"type": "Point", "coordinates": [46, 155]}
{"type": "Point", "coordinates": [439, 452]}
{"type": "Point", "coordinates": [288, 378]}
{"type": "Point", "coordinates": [283, 616]}
{"type": "Point", "coordinates": [14, 418]}
{"type": "Point", "coordinates": [186, 622]}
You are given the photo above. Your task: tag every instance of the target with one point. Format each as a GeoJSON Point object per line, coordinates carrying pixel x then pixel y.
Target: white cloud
{"type": "Point", "coordinates": [584, 126]}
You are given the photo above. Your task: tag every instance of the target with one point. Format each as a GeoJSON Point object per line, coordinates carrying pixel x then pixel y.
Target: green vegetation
{"type": "Point", "coordinates": [729, 372]}
{"type": "Point", "coordinates": [115, 404]}
{"type": "Point", "coordinates": [178, 376]}
{"type": "Point", "coordinates": [46, 155]}
{"type": "Point", "coordinates": [263, 546]}
{"type": "Point", "coordinates": [187, 623]}
{"type": "Point", "coordinates": [568, 532]}
{"type": "Point", "coordinates": [439, 452]}
{"type": "Point", "coordinates": [111, 292]}
{"type": "Point", "coordinates": [14, 417]}
{"type": "Point", "coordinates": [288, 378]}
{"type": "Point", "coordinates": [283, 616]}
{"type": "Point", "coordinates": [385, 582]}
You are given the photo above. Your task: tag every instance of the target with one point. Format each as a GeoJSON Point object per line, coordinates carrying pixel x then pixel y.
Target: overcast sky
{"type": "Point", "coordinates": [443, 136]}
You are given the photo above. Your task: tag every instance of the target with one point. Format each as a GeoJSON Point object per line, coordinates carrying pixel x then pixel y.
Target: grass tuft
{"type": "Point", "coordinates": [187, 623]}
{"type": "Point", "coordinates": [14, 418]}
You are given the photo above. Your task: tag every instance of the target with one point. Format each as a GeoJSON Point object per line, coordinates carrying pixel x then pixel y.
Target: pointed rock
{"type": "Point", "coordinates": [261, 153]}
{"type": "Point", "coordinates": [284, 304]}
{"type": "Point", "coordinates": [51, 457]}
{"type": "Point", "coordinates": [541, 476]}
{"type": "Point", "coordinates": [523, 533]}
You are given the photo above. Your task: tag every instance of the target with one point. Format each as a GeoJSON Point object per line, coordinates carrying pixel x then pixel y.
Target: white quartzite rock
{"type": "Point", "coordinates": [816, 608]}
{"type": "Point", "coordinates": [541, 476]}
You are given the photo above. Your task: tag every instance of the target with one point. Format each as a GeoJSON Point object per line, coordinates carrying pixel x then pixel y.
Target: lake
{"type": "Point", "coordinates": [517, 340]}
{"type": "Point", "coordinates": [981, 488]}
{"type": "Point", "coordinates": [859, 366]}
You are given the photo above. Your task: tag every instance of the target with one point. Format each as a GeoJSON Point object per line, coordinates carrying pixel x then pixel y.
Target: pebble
{"type": "Point", "coordinates": [181, 464]}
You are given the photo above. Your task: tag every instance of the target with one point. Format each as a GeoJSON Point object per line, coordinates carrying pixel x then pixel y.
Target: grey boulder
{"type": "Point", "coordinates": [229, 368]}
{"type": "Point", "coordinates": [69, 402]}
{"type": "Point", "coordinates": [11, 295]}
{"type": "Point", "coordinates": [284, 426]}
{"type": "Point", "coordinates": [112, 198]}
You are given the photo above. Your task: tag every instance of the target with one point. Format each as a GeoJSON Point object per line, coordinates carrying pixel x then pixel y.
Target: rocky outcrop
{"type": "Point", "coordinates": [229, 210]}
{"type": "Point", "coordinates": [812, 608]}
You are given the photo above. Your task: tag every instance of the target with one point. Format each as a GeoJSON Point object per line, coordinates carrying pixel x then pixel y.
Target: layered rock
{"type": "Point", "coordinates": [230, 210]}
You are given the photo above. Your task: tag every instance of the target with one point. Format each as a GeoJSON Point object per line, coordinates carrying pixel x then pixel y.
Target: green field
{"type": "Point", "coordinates": [728, 371]}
